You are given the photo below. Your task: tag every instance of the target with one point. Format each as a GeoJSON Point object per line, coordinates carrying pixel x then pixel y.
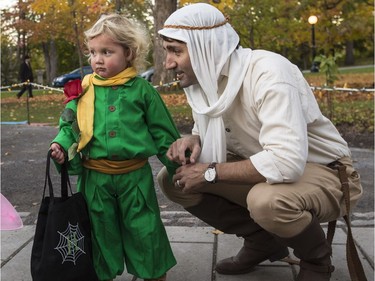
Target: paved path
{"type": "Point", "coordinates": [196, 247]}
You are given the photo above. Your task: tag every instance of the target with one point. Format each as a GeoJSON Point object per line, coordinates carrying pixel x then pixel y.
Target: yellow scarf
{"type": "Point", "coordinates": [85, 107]}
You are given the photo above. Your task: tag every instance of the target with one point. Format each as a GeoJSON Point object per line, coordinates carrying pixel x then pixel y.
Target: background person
{"type": "Point", "coordinates": [117, 124]}
{"type": "Point", "coordinates": [26, 75]}
{"type": "Point", "coordinates": [276, 186]}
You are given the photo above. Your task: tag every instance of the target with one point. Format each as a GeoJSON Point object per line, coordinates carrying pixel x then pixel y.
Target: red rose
{"type": "Point", "coordinates": [72, 90]}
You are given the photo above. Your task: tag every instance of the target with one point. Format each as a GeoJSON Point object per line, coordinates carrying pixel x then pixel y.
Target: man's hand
{"type": "Point", "coordinates": [177, 151]}
{"type": "Point", "coordinates": [57, 153]}
{"type": "Point", "coordinates": [190, 177]}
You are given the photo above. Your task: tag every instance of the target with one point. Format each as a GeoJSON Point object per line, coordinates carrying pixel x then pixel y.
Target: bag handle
{"type": "Point", "coordinates": [65, 181]}
{"type": "Point", "coordinates": [354, 263]}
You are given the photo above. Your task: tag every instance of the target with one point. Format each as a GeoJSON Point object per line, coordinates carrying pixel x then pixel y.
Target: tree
{"type": "Point", "coordinates": [161, 11]}
{"type": "Point", "coordinates": [140, 10]}
{"type": "Point", "coordinates": [56, 27]}
{"type": "Point", "coordinates": [70, 19]}
{"type": "Point", "coordinates": [44, 22]}
{"type": "Point", "coordinates": [343, 25]}
{"type": "Point", "coordinates": [272, 25]}
{"type": "Point", "coordinates": [357, 29]}
{"type": "Point", "coordinates": [9, 70]}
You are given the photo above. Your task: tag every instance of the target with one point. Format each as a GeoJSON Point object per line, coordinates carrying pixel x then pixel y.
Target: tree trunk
{"type": "Point", "coordinates": [349, 53]}
{"type": "Point", "coordinates": [50, 60]}
{"type": "Point", "coordinates": [77, 36]}
{"type": "Point", "coordinates": [161, 11]}
{"type": "Point", "coordinates": [118, 6]}
{"type": "Point", "coordinates": [53, 62]}
{"type": "Point", "coordinates": [251, 37]}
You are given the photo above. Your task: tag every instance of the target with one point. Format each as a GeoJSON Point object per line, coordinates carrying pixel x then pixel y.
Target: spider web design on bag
{"type": "Point", "coordinates": [71, 244]}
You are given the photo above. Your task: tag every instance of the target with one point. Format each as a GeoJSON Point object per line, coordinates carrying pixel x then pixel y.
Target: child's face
{"type": "Point", "coordinates": [107, 58]}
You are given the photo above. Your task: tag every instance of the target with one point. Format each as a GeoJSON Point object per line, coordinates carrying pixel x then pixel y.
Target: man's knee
{"type": "Point", "coordinates": [270, 208]}
{"type": "Point", "coordinates": [174, 193]}
{"type": "Point", "coordinates": [163, 180]}
{"type": "Point", "coordinates": [259, 203]}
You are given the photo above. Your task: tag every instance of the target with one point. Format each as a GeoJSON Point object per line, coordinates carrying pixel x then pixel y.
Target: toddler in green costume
{"type": "Point", "coordinates": [107, 134]}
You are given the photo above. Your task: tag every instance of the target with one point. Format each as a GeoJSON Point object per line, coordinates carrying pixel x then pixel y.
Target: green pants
{"type": "Point", "coordinates": [126, 224]}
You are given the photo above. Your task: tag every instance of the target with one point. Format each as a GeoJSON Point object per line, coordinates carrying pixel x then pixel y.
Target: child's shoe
{"type": "Point", "coordinates": [161, 278]}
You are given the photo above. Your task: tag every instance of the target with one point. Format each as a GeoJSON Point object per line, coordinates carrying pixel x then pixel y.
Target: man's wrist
{"type": "Point", "coordinates": [210, 175]}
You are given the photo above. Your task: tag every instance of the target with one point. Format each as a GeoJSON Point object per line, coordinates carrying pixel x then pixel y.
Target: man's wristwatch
{"type": "Point", "coordinates": [210, 175]}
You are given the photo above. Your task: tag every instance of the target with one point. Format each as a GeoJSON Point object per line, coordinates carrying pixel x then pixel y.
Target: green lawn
{"type": "Point", "coordinates": [355, 110]}
{"type": "Point", "coordinates": [46, 107]}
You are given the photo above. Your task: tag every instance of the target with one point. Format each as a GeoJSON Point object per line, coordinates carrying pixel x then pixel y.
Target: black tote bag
{"type": "Point", "coordinates": [62, 243]}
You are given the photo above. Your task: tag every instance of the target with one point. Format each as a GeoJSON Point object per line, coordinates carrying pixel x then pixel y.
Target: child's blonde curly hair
{"type": "Point", "coordinates": [126, 32]}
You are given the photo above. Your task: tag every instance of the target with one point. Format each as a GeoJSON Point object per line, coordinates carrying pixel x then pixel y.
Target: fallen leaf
{"type": "Point", "coordinates": [217, 232]}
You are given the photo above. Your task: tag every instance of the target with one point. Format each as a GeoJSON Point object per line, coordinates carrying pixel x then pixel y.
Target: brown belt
{"type": "Point", "coordinates": [354, 263]}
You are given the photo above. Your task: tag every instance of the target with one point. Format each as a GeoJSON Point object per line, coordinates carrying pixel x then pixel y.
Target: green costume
{"type": "Point", "coordinates": [131, 121]}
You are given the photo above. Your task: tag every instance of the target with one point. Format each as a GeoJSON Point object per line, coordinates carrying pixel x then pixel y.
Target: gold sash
{"type": "Point", "coordinates": [106, 166]}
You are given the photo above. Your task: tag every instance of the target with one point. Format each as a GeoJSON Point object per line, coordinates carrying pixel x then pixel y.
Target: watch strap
{"type": "Point", "coordinates": [213, 166]}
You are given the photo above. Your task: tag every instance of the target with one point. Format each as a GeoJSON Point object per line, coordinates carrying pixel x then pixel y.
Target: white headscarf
{"type": "Point", "coordinates": [211, 43]}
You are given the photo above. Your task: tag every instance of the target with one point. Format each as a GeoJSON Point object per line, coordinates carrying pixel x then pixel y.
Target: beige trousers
{"type": "Point", "coordinates": [283, 209]}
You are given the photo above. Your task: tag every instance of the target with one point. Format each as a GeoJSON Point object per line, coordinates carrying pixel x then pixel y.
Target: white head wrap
{"type": "Point", "coordinates": [211, 43]}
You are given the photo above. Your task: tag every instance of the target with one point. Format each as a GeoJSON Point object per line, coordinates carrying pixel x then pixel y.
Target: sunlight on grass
{"type": "Point", "coordinates": [353, 109]}
{"type": "Point", "coordinates": [45, 107]}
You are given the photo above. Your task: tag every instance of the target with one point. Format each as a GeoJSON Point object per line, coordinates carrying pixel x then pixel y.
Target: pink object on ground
{"type": "Point", "coordinates": [10, 219]}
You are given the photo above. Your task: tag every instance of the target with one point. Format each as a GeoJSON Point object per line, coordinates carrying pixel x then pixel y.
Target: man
{"type": "Point", "coordinates": [26, 75]}
{"type": "Point", "coordinates": [274, 187]}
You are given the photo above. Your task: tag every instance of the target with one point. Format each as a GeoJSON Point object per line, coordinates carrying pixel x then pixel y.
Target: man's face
{"type": "Point", "coordinates": [177, 59]}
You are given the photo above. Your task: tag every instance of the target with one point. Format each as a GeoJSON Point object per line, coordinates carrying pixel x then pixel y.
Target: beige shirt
{"type": "Point", "coordinates": [275, 121]}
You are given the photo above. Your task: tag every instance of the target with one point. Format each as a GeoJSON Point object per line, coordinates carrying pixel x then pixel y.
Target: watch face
{"type": "Point", "coordinates": [210, 175]}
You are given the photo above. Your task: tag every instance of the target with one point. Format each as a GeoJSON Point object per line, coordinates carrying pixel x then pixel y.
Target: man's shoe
{"type": "Point", "coordinates": [248, 257]}
{"type": "Point", "coordinates": [315, 272]}
{"type": "Point", "coordinates": [230, 218]}
{"type": "Point", "coordinates": [312, 247]}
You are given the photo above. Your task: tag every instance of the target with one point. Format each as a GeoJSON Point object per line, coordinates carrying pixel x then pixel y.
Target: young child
{"type": "Point", "coordinates": [107, 134]}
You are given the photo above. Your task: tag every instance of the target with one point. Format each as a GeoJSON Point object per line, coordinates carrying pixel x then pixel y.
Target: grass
{"type": "Point", "coordinates": [350, 70]}
{"type": "Point", "coordinates": [343, 70]}
{"type": "Point", "coordinates": [45, 107]}
{"type": "Point", "coordinates": [343, 108]}
{"type": "Point", "coordinates": [356, 113]}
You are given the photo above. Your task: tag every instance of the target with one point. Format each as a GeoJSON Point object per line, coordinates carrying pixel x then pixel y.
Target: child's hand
{"type": "Point", "coordinates": [57, 153]}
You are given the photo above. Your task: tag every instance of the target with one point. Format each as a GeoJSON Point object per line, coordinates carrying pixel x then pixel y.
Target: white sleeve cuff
{"type": "Point", "coordinates": [264, 164]}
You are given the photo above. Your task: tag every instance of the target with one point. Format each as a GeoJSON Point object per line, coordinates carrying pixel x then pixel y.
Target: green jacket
{"type": "Point", "coordinates": [130, 121]}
